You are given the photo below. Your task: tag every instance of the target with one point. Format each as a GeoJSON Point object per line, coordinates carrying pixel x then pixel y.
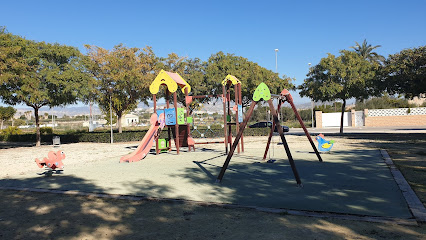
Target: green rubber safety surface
{"type": "Point", "coordinates": [349, 181]}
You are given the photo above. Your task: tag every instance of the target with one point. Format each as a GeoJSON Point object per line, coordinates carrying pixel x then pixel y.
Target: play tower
{"type": "Point", "coordinates": [175, 117]}
{"type": "Point", "coordinates": [177, 120]}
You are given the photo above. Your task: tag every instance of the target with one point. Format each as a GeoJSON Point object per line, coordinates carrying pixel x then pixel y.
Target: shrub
{"type": "Point", "coordinates": [9, 131]}
{"type": "Point", "coordinates": [46, 130]}
{"type": "Point", "coordinates": [104, 137]}
{"type": "Point", "coordinates": [384, 102]}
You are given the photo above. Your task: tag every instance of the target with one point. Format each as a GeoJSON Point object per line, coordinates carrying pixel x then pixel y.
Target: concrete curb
{"type": "Point", "coordinates": [414, 204]}
{"type": "Point", "coordinates": [376, 219]}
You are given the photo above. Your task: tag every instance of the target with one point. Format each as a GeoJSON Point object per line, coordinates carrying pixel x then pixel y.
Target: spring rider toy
{"type": "Point", "coordinates": [52, 162]}
{"type": "Point", "coordinates": [324, 145]}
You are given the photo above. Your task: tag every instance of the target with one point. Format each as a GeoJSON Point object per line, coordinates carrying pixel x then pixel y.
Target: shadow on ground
{"type": "Point", "coordinates": [29, 215]}
{"type": "Point", "coordinates": [356, 182]}
{"type": "Point", "coordinates": [407, 152]}
{"type": "Point", "coordinates": [7, 145]}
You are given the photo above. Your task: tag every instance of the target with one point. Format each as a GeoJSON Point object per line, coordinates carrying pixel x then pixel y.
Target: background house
{"type": "Point", "coordinates": [129, 120]}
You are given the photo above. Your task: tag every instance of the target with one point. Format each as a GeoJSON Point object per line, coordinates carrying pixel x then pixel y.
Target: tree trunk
{"type": "Point", "coordinates": [38, 137]}
{"type": "Point", "coordinates": [1, 125]}
{"type": "Point", "coordinates": [120, 127]}
{"type": "Point", "coordinates": [341, 117]}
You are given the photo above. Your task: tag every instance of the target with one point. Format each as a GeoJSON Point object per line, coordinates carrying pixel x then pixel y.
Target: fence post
{"type": "Point", "coordinates": [353, 117]}
{"type": "Point", "coordinates": [318, 119]}
{"type": "Point", "coordinates": [366, 123]}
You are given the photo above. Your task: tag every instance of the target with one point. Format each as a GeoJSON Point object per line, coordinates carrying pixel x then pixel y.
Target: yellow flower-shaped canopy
{"type": "Point", "coordinates": [171, 80]}
{"type": "Point", "coordinates": [231, 78]}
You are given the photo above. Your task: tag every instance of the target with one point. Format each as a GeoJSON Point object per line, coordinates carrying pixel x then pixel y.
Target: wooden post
{"type": "Point", "coordinates": [237, 138]}
{"type": "Point", "coordinates": [169, 133]}
{"type": "Point", "coordinates": [176, 125]}
{"type": "Point", "coordinates": [154, 99]}
{"type": "Point", "coordinates": [188, 128]}
{"type": "Point", "coordinates": [290, 100]}
{"type": "Point", "coordinates": [228, 98]}
{"type": "Point", "coordinates": [287, 149]}
{"type": "Point", "coordinates": [237, 124]}
{"type": "Point", "coordinates": [269, 140]}
{"type": "Point", "coordinates": [224, 119]}
{"type": "Point", "coordinates": [241, 103]}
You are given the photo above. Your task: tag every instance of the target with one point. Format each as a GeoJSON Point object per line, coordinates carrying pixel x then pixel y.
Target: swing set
{"type": "Point", "coordinates": [262, 92]}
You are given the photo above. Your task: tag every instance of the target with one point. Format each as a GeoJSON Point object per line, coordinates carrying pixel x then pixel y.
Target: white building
{"type": "Point", "coordinates": [129, 120]}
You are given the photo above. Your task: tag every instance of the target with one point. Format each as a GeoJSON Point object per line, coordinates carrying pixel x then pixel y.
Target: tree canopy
{"type": "Point", "coordinates": [343, 77]}
{"type": "Point", "coordinates": [219, 65]}
{"type": "Point", "coordinates": [123, 75]}
{"type": "Point", "coordinates": [366, 51]}
{"type": "Point", "coordinates": [6, 113]}
{"type": "Point", "coordinates": [206, 77]}
{"type": "Point", "coordinates": [405, 72]}
{"type": "Point", "coordinates": [40, 74]}
{"type": "Point", "coordinates": [13, 61]}
{"type": "Point", "coordinates": [383, 102]}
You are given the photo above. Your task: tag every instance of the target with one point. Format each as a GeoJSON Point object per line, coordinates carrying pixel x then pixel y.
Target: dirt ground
{"type": "Point", "coordinates": [29, 215]}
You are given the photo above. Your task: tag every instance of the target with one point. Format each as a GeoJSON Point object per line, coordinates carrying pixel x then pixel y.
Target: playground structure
{"type": "Point", "coordinates": [177, 120]}
{"type": "Point", "coordinates": [238, 108]}
{"type": "Point", "coordinates": [157, 123]}
{"type": "Point", "coordinates": [262, 92]}
{"type": "Point", "coordinates": [229, 82]}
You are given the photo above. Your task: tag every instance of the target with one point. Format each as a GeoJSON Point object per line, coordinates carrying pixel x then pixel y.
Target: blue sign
{"type": "Point", "coordinates": [170, 116]}
{"type": "Point", "coordinates": [240, 113]}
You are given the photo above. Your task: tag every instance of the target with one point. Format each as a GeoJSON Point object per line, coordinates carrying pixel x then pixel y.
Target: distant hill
{"type": "Point", "coordinates": [59, 111]}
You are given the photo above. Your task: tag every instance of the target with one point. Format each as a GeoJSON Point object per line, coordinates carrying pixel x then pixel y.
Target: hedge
{"type": "Point", "coordinates": [104, 137]}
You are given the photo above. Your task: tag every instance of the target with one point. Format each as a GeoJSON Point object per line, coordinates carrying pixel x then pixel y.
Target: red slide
{"type": "Point", "coordinates": [145, 145]}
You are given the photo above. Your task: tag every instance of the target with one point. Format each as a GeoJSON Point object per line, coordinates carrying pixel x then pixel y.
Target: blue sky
{"type": "Point", "coordinates": [303, 31]}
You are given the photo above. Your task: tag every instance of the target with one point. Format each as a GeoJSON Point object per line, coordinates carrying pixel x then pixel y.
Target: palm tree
{"type": "Point", "coordinates": [366, 51]}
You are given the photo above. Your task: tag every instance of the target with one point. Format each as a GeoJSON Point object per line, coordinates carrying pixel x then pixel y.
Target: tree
{"type": "Point", "coordinates": [329, 108]}
{"type": "Point", "coordinates": [366, 52]}
{"type": "Point", "coordinates": [6, 113]}
{"type": "Point", "coordinates": [383, 102]}
{"type": "Point", "coordinates": [219, 65]}
{"type": "Point", "coordinates": [405, 72]}
{"type": "Point", "coordinates": [343, 77]}
{"type": "Point", "coordinates": [44, 75]}
{"type": "Point", "coordinates": [191, 70]}
{"type": "Point", "coordinates": [287, 114]}
{"type": "Point", "coordinates": [13, 63]}
{"type": "Point", "coordinates": [172, 63]}
{"type": "Point", "coordinates": [122, 75]}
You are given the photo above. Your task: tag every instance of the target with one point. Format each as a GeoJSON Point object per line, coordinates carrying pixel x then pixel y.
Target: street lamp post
{"type": "Point", "coordinates": [90, 117]}
{"type": "Point", "coordinates": [312, 102]}
{"type": "Point", "coordinates": [276, 60]}
{"type": "Point", "coordinates": [110, 113]}
{"type": "Point", "coordinates": [276, 63]}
